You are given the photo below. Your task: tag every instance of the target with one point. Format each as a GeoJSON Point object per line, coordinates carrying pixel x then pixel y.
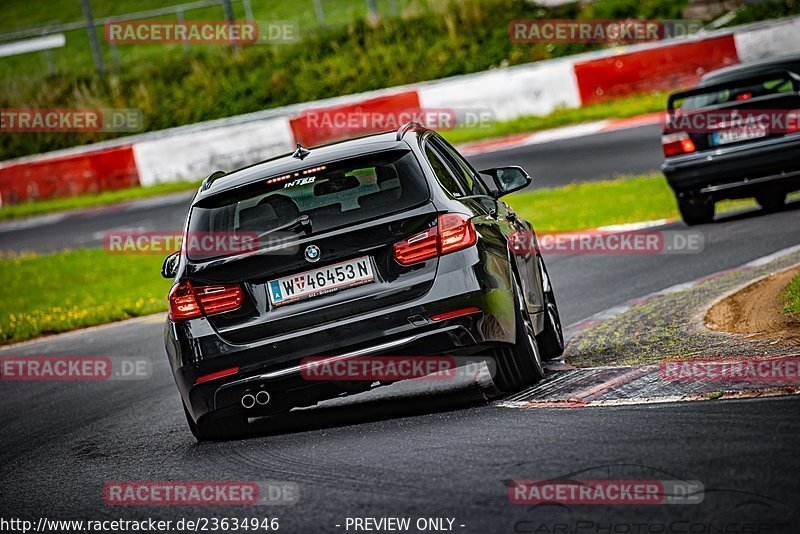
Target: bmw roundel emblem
{"type": "Point", "coordinates": [312, 253]}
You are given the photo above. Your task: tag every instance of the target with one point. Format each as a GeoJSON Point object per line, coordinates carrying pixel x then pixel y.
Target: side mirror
{"type": "Point", "coordinates": [170, 267]}
{"type": "Point", "coordinates": [508, 179]}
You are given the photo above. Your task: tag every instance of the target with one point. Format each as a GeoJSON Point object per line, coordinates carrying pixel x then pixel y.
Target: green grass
{"type": "Point", "coordinates": [586, 205]}
{"type": "Point", "coordinates": [792, 297]}
{"type": "Point", "coordinates": [619, 108]}
{"type": "Point", "coordinates": [59, 292]}
{"type": "Point", "coordinates": [41, 207]}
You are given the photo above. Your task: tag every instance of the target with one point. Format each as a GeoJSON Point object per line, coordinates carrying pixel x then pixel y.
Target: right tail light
{"type": "Point", "coordinates": [453, 231]}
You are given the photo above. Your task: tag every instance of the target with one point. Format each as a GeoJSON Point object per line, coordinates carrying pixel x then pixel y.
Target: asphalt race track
{"type": "Point", "coordinates": [416, 450]}
{"type": "Point", "coordinates": [412, 449]}
{"type": "Point", "coordinates": [591, 157]}
{"type": "Point", "coordinates": [598, 156]}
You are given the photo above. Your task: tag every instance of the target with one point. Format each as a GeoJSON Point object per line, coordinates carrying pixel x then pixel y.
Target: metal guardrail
{"type": "Point", "coordinates": [82, 24]}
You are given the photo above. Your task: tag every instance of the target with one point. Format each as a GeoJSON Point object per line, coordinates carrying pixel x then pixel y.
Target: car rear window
{"type": "Point", "coordinates": [331, 195]}
{"type": "Point", "coordinates": [780, 84]}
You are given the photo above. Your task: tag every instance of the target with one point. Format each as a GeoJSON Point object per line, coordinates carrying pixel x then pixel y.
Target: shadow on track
{"type": "Point", "coordinates": [756, 212]}
{"type": "Point", "coordinates": [367, 411]}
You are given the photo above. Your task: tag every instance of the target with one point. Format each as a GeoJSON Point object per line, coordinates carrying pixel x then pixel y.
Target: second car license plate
{"type": "Point", "coordinates": [320, 281]}
{"type": "Point", "coordinates": [742, 134]}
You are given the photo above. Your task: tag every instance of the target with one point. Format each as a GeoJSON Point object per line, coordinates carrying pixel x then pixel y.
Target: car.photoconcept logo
{"type": "Point", "coordinates": [312, 253]}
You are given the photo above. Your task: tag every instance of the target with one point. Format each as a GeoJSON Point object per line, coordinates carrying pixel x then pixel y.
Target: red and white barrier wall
{"type": "Point", "coordinates": [191, 152]}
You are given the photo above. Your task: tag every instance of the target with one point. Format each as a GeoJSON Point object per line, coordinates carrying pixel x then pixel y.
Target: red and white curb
{"type": "Point", "coordinates": [569, 387]}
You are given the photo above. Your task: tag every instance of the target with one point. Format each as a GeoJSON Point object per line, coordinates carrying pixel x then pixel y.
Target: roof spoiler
{"type": "Point", "coordinates": [210, 179]}
{"type": "Point", "coordinates": [409, 126]}
{"type": "Point", "coordinates": [780, 74]}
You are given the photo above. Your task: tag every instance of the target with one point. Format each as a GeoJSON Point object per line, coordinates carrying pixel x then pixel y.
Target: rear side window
{"type": "Point", "coordinates": [466, 174]}
{"type": "Point", "coordinates": [443, 173]}
{"type": "Point", "coordinates": [333, 195]}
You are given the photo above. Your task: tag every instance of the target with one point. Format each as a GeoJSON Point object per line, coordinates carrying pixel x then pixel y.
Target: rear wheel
{"type": "Point", "coordinates": [219, 429]}
{"type": "Point", "coordinates": [771, 201]}
{"type": "Point", "coordinates": [551, 339]}
{"type": "Point", "coordinates": [696, 210]}
{"type": "Point", "coordinates": [520, 365]}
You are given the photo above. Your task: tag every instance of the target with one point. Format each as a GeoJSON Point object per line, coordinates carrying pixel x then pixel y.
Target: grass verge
{"type": "Point", "coordinates": [586, 205]}
{"type": "Point", "coordinates": [792, 298]}
{"type": "Point", "coordinates": [613, 109]}
{"type": "Point", "coordinates": [41, 207]}
{"type": "Point", "coordinates": [75, 289]}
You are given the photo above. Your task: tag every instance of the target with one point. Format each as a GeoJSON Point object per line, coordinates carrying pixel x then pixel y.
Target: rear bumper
{"type": "Point", "coordinates": [737, 172]}
{"type": "Point", "coordinates": [273, 364]}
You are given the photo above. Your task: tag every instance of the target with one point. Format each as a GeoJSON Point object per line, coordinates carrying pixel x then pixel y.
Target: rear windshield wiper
{"type": "Point", "coordinates": [303, 221]}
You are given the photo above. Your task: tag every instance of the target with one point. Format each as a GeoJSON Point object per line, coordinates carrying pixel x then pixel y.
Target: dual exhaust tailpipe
{"type": "Point", "coordinates": [261, 398]}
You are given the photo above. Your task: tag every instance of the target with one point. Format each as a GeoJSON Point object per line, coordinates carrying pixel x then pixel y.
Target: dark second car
{"type": "Point", "coordinates": [735, 135]}
{"type": "Point", "coordinates": [396, 247]}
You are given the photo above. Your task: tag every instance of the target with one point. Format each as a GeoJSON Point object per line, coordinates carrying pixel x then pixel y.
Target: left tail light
{"type": "Point", "coordinates": [187, 301]}
{"type": "Point", "coordinates": [677, 143]}
{"type": "Point", "coordinates": [453, 231]}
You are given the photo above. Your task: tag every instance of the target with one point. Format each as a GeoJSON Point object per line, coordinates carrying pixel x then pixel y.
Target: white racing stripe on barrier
{"type": "Point", "coordinates": [195, 154]}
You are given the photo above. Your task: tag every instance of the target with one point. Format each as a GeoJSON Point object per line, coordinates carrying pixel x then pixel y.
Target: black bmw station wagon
{"type": "Point", "coordinates": [395, 246]}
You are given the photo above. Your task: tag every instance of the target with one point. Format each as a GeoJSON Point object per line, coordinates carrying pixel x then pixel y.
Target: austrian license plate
{"type": "Point", "coordinates": [320, 281]}
{"type": "Point", "coordinates": [734, 136]}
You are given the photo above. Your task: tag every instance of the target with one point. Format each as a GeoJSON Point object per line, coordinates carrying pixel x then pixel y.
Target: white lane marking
{"type": "Point", "coordinates": [545, 136]}
{"type": "Point", "coordinates": [566, 132]}
{"type": "Point", "coordinates": [631, 227]}
{"type": "Point", "coordinates": [771, 257]}
{"type": "Point", "coordinates": [124, 205]}
{"type": "Point", "coordinates": [32, 222]}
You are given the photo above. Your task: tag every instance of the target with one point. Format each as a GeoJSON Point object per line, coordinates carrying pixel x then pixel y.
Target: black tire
{"type": "Point", "coordinates": [771, 201]}
{"type": "Point", "coordinates": [520, 365]}
{"type": "Point", "coordinates": [216, 429]}
{"type": "Point", "coordinates": [696, 210]}
{"type": "Point", "coordinates": [551, 339]}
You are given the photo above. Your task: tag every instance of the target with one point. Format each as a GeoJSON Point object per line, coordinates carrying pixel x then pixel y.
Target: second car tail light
{"type": "Point", "coordinates": [188, 302]}
{"type": "Point", "coordinates": [453, 231]}
{"type": "Point", "coordinates": [677, 143]}
{"type": "Point", "coordinates": [793, 121]}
